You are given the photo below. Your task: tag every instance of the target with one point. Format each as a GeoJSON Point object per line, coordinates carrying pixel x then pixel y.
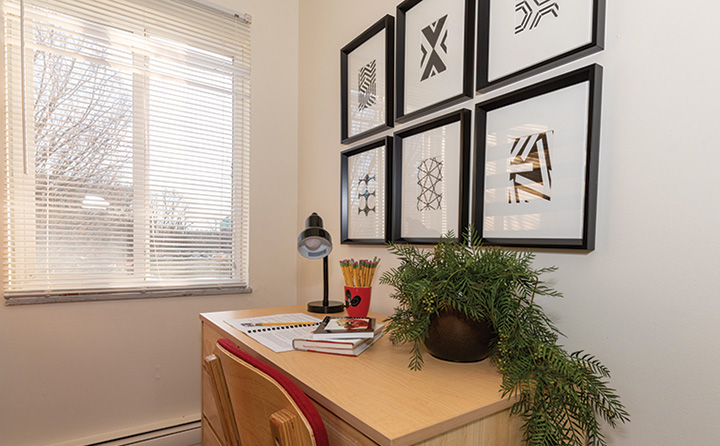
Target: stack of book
{"type": "Point", "coordinates": [341, 335]}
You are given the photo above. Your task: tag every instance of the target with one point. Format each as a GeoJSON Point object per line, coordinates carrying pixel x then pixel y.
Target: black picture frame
{"type": "Point", "coordinates": [380, 194]}
{"type": "Point", "coordinates": [358, 124]}
{"type": "Point", "coordinates": [563, 46]}
{"type": "Point", "coordinates": [566, 142]}
{"type": "Point", "coordinates": [431, 142]}
{"type": "Point", "coordinates": [441, 91]}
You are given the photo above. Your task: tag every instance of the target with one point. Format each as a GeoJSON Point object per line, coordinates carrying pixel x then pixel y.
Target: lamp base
{"type": "Point", "coordinates": [330, 307]}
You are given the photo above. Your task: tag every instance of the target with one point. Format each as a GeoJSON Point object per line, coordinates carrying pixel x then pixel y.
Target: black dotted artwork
{"type": "Point", "coordinates": [364, 197]}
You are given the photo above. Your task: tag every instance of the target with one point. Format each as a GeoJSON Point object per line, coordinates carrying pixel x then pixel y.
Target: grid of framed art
{"type": "Point", "coordinates": [534, 178]}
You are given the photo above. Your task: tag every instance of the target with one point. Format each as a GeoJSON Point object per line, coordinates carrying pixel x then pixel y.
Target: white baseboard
{"type": "Point", "coordinates": [183, 431]}
{"type": "Point", "coordinates": [184, 435]}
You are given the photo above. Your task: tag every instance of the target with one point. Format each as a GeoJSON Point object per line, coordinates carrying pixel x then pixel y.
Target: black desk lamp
{"type": "Point", "coordinates": [314, 243]}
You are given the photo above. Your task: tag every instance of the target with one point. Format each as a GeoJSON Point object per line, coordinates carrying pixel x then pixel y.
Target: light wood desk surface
{"type": "Point", "coordinates": [377, 395]}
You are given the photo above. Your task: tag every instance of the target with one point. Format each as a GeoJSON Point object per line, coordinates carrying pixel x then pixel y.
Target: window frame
{"type": "Point", "coordinates": [240, 191]}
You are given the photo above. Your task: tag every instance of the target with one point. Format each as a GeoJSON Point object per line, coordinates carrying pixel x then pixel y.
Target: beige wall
{"type": "Point", "coordinates": [645, 302]}
{"type": "Point", "coordinates": [71, 371]}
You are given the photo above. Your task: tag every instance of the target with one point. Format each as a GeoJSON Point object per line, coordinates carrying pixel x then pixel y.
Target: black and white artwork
{"type": "Point", "coordinates": [434, 55]}
{"type": "Point", "coordinates": [536, 170]}
{"type": "Point", "coordinates": [367, 82]}
{"type": "Point", "coordinates": [530, 167]}
{"type": "Point", "coordinates": [430, 179]}
{"type": "Point", "coordinates": [430, 184]}
{"type": "Point", "coordinates": [529, 13]}
{"type": "Point", "coordinates": [367, 86]}
{"type": "Point", "coordinates": [364, 186]}
{"type": "Point", "coordinates": [434, 49]}
{"type": "Point", "coordinates": [366, 193]}
{"type": "Point", "coordinates": [520, 38]}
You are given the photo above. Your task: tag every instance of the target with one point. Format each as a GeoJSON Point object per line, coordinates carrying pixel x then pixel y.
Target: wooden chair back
{"type": "Point", "coordinates": [258, 405]}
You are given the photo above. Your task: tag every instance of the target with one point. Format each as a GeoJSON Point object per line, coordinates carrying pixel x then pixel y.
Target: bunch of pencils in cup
{"type": "Point", "coordinates": [360, 273]}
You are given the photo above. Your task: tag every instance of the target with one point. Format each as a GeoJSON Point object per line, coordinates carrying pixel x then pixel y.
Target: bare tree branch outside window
{"type": "Point", "coordinates": [83, 147]}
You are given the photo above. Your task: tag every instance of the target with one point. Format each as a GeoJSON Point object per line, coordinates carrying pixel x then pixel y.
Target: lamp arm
{"type": "Point", "coordinates": [325, 305]}
{"type": "Point", "coordinates": [325, 281]}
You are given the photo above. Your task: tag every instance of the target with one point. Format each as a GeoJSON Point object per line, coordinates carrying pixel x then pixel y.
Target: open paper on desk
{"type": "Point", "coordinates": [278, 338]}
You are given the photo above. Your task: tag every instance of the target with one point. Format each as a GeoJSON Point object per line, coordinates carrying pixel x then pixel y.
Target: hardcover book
{"type": "Point", "coordinates": [345, 347]}
{"type": "Point", "coordinates": [344, 327]}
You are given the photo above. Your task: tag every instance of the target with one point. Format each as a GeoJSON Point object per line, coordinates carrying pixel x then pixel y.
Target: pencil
{"type": "Point", "coordinates": [359, 273]}
{"type": "Point", "coordinates": [263, 324]}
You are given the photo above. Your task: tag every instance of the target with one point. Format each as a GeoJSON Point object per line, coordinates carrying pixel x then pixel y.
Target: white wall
{"type": "Point", "coordinates": [645, 302]}
{"type": "Point", "coordinates": [78, 370]}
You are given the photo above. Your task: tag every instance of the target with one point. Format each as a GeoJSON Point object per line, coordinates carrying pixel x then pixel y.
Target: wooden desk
{"type": "Point", "coordinates": [374, 398]}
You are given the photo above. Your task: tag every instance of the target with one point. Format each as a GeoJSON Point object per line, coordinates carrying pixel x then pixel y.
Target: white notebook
{"type": "Point", "coordinates": [278, 338]}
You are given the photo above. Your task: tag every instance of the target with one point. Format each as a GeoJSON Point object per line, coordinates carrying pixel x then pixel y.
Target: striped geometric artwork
{"type": "Point", "coordinates": [528, 13]}
{"type": "Point", "coordinates": [434, 48]}
{"type": "Point", "coordinates": [367, 86]}
{"type": "Point", "coordinates": [530, 168]}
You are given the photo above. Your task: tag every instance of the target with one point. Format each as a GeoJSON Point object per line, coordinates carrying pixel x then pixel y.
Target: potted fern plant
{"type": "Point", "coordinates": [560, 395]}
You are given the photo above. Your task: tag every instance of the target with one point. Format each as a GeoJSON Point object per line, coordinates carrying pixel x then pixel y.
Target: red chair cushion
{"type": "Point", "coordinates": [302, 400]}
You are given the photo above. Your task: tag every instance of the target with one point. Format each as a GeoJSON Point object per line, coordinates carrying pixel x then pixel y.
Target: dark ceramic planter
{"type": "Point", "coordinates": [453, 337]}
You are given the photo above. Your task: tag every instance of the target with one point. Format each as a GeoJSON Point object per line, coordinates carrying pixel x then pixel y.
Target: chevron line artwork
{"type": "Point", "coordinates": [429, 177]}
{"type": "Point", "coordinates": [529, 13]}
{"type": "Point", "coordinates": [367, 86]}
{"type": "Point", "coordinates": [530, 168]}
{"type": "Point", "coordinates": [434, 48]}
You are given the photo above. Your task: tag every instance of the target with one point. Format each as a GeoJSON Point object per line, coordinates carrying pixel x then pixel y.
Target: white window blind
{"type": "Point", "coordinates": [127, 148]}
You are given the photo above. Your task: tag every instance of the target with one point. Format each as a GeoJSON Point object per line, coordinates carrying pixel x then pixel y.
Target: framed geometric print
{"type": "Point", "coordinates": [430, 179]}
{"type": "Point", "coordinates": [367, 66]}
{"type": "Point", "coordinates": [536, 163]}
{"type": "Point", "coordinates": [435, 49]}
{"type": "Point", "coordinates": [520, 38]}
{"type": "Point", "coordinates": [364, 189]}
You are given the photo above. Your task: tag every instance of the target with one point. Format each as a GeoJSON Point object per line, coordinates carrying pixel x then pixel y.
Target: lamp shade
{"type": "Point", "coordinates": [314, 242]}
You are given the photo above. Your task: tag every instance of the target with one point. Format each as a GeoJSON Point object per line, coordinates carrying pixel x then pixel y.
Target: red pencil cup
{"type": "Point", "coordinates": [357, 300]}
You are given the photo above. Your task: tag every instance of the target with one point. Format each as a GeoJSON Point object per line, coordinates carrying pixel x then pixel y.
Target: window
{"type": "Point", "coordinates": [127, 149]}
